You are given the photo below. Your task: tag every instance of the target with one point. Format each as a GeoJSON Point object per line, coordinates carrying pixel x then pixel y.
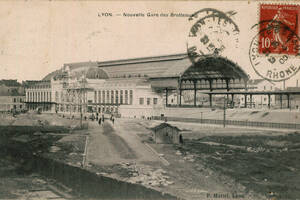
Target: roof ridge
{"type": "Point", "coordinates": [143, 59]}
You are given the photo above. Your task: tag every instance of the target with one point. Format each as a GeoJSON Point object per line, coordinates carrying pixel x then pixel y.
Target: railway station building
{"type": "Point", "coordinates": [142, 87]}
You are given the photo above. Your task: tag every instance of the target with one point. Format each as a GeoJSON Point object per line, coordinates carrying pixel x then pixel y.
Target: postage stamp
{"type": "Point", "coordinates": [213, 34]}
{"type": "Point", "coordinates": [273, 38]}
{"type": "Point", "coordinates": [274, 51]}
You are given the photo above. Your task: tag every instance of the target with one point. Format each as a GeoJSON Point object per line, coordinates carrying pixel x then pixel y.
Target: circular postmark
{"type": "Point", "coordinates": [213, 33]}
{"type": "Point", "coordinates": [268, 55]}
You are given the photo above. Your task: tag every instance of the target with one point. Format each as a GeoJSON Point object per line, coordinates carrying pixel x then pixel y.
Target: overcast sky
{"type": "Point", "coordinates": [37, 38]}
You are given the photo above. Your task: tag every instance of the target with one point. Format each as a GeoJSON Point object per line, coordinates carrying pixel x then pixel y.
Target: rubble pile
{"type": "Point", "coordinates": [256, 149]}
{"type": "Point", "coordinates": [187, 156]}
{"type": "Point", "coordinates": [147, 176]}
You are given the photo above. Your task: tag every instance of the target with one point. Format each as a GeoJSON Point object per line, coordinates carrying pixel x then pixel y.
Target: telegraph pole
{"type": "Point", "coordinates": [201, 118]}
{"type": "Point", "coordinates": [80, 108]}
{"type": "Point", "coordinates": [224, 117]}
{"type": "Point", "coordinates": [70, 103]}
{"type": "Point", "coordinates": [82, 98]}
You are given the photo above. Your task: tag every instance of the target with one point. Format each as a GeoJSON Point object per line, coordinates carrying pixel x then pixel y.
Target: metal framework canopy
{"type": "Point", "coordinates": [213, 73]}
{"type": "Point", "coordinates": [214, 68]}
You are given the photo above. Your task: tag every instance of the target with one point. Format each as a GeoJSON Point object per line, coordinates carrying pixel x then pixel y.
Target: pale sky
{"type": "Point", "coordinates": [37, 38]}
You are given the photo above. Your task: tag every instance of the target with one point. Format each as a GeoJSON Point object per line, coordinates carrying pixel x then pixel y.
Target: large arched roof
{"type": "Point", "coordinates": [49, 76]}
{"type": "Point", "coordinates": [214, 68]}
{"type": "Point", "coordinates": [160, 67]}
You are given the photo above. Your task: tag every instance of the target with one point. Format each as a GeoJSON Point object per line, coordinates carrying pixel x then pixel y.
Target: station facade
{"type": "Point", "coordinates": [38, 95]}
{"type": "Point", "coordinates": [139, 87]}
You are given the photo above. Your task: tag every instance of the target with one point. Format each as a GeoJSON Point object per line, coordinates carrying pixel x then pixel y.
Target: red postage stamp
{"type": "Point", "coordinates": [279, 29]}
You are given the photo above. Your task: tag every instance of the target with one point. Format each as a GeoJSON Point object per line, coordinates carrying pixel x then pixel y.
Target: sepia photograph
{"type": "Point", "coordinates": [149, 100]}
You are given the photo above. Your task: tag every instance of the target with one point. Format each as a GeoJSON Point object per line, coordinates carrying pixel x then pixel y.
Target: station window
{"type": "Point", "coordinates": [148, 101]}
{"type": "Point", "coordinates": [154, 101]}
{"type": "Point", "coordinates": [130, 97]}
{"type": "Point", "coordinates": [112, 97]}
{"type": "Point", "coordinates": [107, 96]}
{"type": "Point", "coordinates": [126, 96]}
{"type": "Point", "coordinates": [99, 96]}
{"type": "Point", "coordinates": [95, 96]}
{"type": "Point", "coordinates": [121, 96]}
{"type": "Point", "coordinates": [117, 97]}
{"type": "Point", "coordinates": [141, 101]}
{"type": "Point", "coordinates": [103, 96]}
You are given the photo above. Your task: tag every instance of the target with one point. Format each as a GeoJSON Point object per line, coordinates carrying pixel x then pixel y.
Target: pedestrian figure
{"type": "Point", "coordinates": [85, 118]}
{"type": "Point", "coordinates": [103, 118]}
{"type": "Point", "coordinates": [100, 120]}
{"type": "Point", "coordinates": [113, 120]}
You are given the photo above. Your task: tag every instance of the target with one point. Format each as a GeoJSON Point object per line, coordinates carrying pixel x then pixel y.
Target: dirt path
{"type": "Point", "coordinates": [110, 144]}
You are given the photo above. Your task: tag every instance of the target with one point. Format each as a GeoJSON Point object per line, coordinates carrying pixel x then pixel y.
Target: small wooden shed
{"type": "Point", "coordinates": [165, 133]}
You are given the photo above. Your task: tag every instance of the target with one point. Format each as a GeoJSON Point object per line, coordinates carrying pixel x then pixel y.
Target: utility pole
{"type": "Point", "coordinates": [224, 118]}
{"type": "Point", "coordinates": [70, 103]}
{"type": "Point", "coordinates": [82, 98]}
{"type": "Point", "coordinates": [201, 118]}
{"type": "Point", "coordinates": [80, 101]}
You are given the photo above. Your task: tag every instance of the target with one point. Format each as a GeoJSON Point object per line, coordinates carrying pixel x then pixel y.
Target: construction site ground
{"type": "Point", "coordinates": [240, 163]}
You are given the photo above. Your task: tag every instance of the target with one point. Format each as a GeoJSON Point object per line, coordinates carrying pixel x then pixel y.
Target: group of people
{"type": "Point", "coordinates": [101, 119]}
{"type": "Point", "coordinates": [97, 117]}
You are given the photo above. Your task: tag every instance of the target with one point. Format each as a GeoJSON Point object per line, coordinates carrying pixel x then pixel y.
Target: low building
{"type": "Point", "coordinates": [165, 133]}
{"type": "Point", "coordinates": [12, 96]}
{"type": "Point", "coordinates": [258, 101]}
{"type": "Point", "coordinates": [294, 100]}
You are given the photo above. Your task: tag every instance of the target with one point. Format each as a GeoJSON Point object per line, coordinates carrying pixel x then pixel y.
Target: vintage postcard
{"type": "Point", "coordinates": [192, 100]}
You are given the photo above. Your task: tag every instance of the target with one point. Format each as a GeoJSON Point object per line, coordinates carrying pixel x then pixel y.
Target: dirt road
{"type": "Point", "coordinates": [112, 144]}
